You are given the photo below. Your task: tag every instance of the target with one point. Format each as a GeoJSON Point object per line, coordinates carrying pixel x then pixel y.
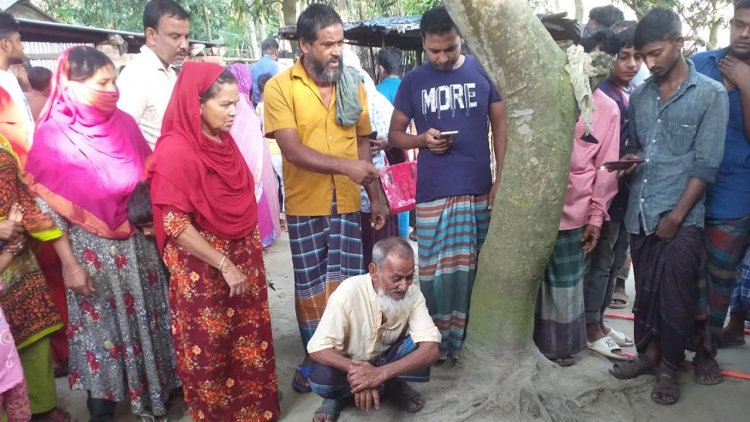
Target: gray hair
{"type": "Point", "coordinates": [391, 245]}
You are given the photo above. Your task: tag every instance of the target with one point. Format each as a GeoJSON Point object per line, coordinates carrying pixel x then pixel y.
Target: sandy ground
{"type": "Point", "coordinates": [724, 402]}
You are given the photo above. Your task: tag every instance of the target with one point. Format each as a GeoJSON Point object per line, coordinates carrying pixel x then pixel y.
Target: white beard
{"type": "Point", "coordinates": [394, 309]}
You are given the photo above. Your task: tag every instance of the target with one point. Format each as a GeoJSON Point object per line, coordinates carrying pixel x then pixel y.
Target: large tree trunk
{"type": "Point", "coordinates": [527, 66]}
{"type": "Point", "coordinates": [252, 35]}
{"type": "Point", "coordinates": [289, 8]}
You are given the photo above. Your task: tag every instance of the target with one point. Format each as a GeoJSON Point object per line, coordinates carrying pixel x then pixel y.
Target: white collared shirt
{"type": "Point", "coordinates": [145, 89]}
{"type": "Point", "coordinates": [353, 325]}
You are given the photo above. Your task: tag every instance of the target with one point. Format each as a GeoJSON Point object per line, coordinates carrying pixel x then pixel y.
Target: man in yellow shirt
{"type": "Point", "coordinates": [375, 335]}
{"type": "Point", "coordinates": [317, 112]}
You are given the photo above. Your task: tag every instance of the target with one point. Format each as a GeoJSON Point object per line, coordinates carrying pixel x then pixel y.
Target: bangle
{"type": "Point", "coordinates": [74, 272]}
{"type": "Point", "coordinates": [221, 264]}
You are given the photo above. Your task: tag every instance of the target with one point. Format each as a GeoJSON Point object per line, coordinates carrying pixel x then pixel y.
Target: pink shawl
{"type": "Point", "coordinates": [247, 132]}
{"type": "Point", "coordinates": [86, 159]}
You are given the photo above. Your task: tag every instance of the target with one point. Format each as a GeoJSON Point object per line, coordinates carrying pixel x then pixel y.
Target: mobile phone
{"type": "Point", "coordinates": [373, 135]}
{"type": "Point", "coordinates": [449, 135]}
{"type": "Point", "coordinates": [619, 164]}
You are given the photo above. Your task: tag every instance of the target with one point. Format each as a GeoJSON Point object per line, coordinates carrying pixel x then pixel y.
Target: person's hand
{"type": "Point", "coordinates": [437, 145]}
{"type": "Point", "coordinates": [590, 238]}
{"type": "Point", "coordinates": [367, 399]}
{"type": "Point", "coordinates": [493, 194]}
{"type": "Point", "coordinates": [668, 226]}
{"type": "Point", "coordinates": [379, 214]}
{"type": "Point", "coordinates": [630, 169]}
{"type": "Point", "coordinates": [16, 213]}
{"type": "Point", "coordinates": [362, 172]}
{"type": "Point", "coordinates": [736, 71]}
{"type": "Point", "coordinates": [15, 247]}
{"type": "Point", "coordinates": [363, 376]}
{"type": "Point", "coordinates": [235, 279]}
{"type": "Point", "coordinates": [78, 280]}
{"type": "Point", "coordinates": [377, 145]}
{"type": "Point", "coordinates": [10, 230]}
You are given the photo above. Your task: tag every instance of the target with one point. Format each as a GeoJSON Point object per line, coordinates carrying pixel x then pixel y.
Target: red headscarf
{"type": "Point", "coordinates": [197, 175]}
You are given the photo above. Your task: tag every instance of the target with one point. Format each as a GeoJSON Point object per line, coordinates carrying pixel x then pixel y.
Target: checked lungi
{"type": "Point", "coordinates": [560, 324]}
{"type": "Point", "coordinates": [450, 234]}
{"type": "Point", "coordinates": [332, 383]}
{"type": "Point", "coordinates": [325, 251]}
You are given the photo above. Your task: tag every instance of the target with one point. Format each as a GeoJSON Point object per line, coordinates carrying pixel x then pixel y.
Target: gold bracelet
{"type": "Point", "coordinates": [73, 273]}
{"type": "Point", "coordinates": [221, 264]}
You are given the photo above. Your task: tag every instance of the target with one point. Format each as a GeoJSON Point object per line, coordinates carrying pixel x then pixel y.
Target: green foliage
{"type": "Point", "coordinates": [417, 7]}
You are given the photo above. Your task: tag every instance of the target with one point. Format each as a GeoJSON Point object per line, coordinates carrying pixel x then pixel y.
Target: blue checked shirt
{"type": "Point", "coordinates": [679, 139]}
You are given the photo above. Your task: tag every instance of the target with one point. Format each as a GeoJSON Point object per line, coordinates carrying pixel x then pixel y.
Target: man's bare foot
{"type": "Point", "coordinates": [328, 411]}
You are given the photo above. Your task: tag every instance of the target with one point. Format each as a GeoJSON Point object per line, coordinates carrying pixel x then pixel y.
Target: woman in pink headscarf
{"type": "Point", "coordinates": [247, 132]}
{"type": "Point", "coordinates": [86, 159]}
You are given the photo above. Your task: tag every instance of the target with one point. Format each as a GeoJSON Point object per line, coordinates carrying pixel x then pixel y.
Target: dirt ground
{"type": "Point", "coordinates": [723, 402]}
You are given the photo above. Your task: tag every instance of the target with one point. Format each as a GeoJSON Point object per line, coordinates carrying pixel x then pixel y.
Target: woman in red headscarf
{"type": "Point", "coordinates": [205, 221]}
{"type": "Point", "coordinates": [86, 159]}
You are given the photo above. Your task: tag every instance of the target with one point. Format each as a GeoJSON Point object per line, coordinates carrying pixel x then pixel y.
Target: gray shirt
{"type": "Point", "coordinates": [679, 139]}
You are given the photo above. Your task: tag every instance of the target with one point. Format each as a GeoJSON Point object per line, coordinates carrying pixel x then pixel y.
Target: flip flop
{"type": "Point", "coordinates": [606, 347]}
{"type": "Point", "coordinates": [619, 301]}
{"type": "Point", "coordinates": [329, 407]}
{"type": "Point", "coordinates": [621, 339]}
{"type": "Point", "coordinates": [405, 397]}
{"type": "Point", "coordinates": [304, 371]}
{"type": "Point", "coordinates": [706, 371]}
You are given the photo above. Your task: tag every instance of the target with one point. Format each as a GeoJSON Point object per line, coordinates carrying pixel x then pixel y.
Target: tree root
{"type": "Point", "coordinates": [527, 386]}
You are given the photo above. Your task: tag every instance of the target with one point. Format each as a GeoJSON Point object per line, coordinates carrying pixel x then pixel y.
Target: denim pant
{"type": "Point", "coordinates": [603, 265]}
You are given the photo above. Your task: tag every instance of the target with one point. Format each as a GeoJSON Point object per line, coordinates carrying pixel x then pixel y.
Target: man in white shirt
{"type": "Point", "coordinates": [375, 334]}
{"type": "Point", "coordinates": [147, 81]}
{"type": "Point", "coordinates": [16, 122]}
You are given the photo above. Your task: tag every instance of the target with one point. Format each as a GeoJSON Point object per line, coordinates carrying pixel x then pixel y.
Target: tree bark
{"type": "Point", "coordinates": [289, 8]}
{"type": "Point", "coordinates": [527, 67]}
{"type": "Point", "coordinates": [252, 34]}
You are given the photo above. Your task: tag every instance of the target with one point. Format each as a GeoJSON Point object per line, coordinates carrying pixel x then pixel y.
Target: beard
{"type": "Point", "coordinates": [394, 308]}
{"type": "Point", "coordinates": [319, 70]}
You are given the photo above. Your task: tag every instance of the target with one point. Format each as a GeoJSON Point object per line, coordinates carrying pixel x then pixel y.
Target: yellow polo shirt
{"type": "Point", "coordinates": [292, 101]}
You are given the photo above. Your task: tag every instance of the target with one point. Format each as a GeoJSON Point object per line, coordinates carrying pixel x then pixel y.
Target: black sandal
{"type": "Point", "coordinates": [666, 391]}
{"type": "Point", "coordinates": [706, 371]}
{"type": "Point", "coordinates": [632, 368]}
{"type": "Point", "coordinates": [329, 407]}
{"type": "Point", "coordinates": [405, 397]}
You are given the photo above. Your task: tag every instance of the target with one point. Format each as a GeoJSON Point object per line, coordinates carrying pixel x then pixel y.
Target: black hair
{"type": "Point", "coordinates": [140, 212]}
{"type": "Point", "coordinates": [741, 4]}
{"type": "Point", "coordinates": [84, 61]}
{"type": "Point", "coordinates": [8, 25]}
{"type": "Point", "coordinates": [315, 17]}
{"type": "Point", "coordinates": [625, 33]}
{"type": "Point", "coordinates": [436, 21]}
{"type": "Point", "coordinates": [605, 40]}
{"type": "Point", "coordinates": [606, 15]}
{"type": "Point", "coordinates": [269, 44]}
{"type": "Point", "coordinates": [156, 9]}
{"type": "Point", "coordinates": [40, 78]}
{"type": "Point", "coordinates": [263, 80]}
{"type": "Point", "coordinates": [659, 24]}
{"type": "Point", "coordinates": [390, 59]}
{"type": "Point", "coordinates": [226, 77]}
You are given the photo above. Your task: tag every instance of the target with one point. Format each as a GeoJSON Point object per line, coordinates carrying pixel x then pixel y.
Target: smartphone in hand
{"type": "Point", "coordinates": [449, 135]}
{"type": "Point", "coordinates": [620, 164]}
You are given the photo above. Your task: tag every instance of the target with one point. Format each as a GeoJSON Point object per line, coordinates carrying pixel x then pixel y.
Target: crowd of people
{"type": "Point", "coordinates": [136, 209]}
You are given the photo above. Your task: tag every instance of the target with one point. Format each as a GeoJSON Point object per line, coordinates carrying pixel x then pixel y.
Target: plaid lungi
{"type": "Point", "coordinates": [560, 325]}
{"type": "Point", "coordinates": [450, 233]}
{"type": "Point", "coordinates": [325, 251]}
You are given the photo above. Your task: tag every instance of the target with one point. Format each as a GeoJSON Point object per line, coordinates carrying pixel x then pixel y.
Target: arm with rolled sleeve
{"type": "Point", "coordinates": [709, 140]}
{"type": "Point", "coordinates": [605, 183]}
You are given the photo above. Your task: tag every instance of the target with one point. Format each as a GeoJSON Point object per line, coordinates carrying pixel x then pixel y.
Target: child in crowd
{"type": "Point", "coordinates": [14, 396]}
{"type": "Point", "coordinates": [140, 213]}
